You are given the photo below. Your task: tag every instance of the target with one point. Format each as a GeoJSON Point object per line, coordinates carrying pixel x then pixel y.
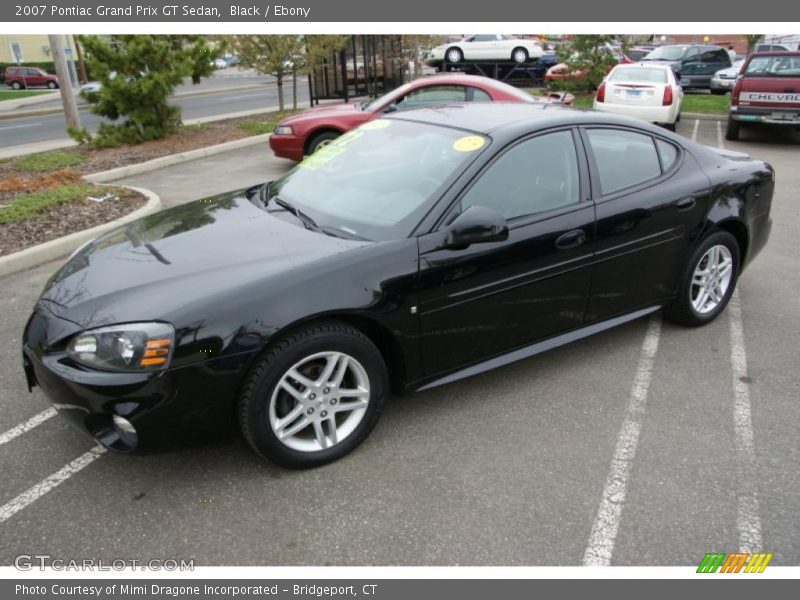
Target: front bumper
{"type": "Point", "coordinates": [287, 146]}
{"type": "Point", "coordinates": [193, 402]}
{"type": "Point", "coordinates": [772, 116]}
{"type": "Point", "coordinates": [722, 85]}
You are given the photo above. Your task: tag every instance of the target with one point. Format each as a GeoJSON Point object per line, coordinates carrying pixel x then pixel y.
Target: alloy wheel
{"type": "Point", "coordinates": [319, 401]}
{"type": "Point", "coordinates": [711, 279]}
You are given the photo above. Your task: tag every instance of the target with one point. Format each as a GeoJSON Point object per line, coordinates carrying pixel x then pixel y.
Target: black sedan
{"type": "Point", "coordinates": [414, 251]}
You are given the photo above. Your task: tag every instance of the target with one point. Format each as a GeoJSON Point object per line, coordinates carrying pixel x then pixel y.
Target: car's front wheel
{"type": "Point", "coordinates": [454, 55]}
{"type": "Point", "coordinates": [708, 282]}
{"type": "Point", "coordinates": [314, 396]}
{"type": "Point", "coordinates": [322, 139]}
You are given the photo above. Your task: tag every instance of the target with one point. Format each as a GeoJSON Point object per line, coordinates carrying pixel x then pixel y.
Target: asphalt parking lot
{"type": "Point", "coordinates": [649, 444]}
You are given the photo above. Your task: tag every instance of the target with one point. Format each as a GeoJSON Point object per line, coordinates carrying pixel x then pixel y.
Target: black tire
{"type": "Point", "coordinates": [719, 92]}
{"type": "Point", "coordinates": [670, 126]}
{"type": "Point", "coordinates": [522, 52]}
{"type": "Point", "coordinates": [680, 310]}
{"type": "Point", "coordinates": [320, 140]}
{"type": "Point", "coordinates": [453, 56]}
{"type": "Point", "coordinates": [16, 85]}
{"type": "Point", "coordinates": [272, 365]}
{"type": "Point", "coordinates": [732, 131]}
{"type": "Point", "coordinates": [52, 85]}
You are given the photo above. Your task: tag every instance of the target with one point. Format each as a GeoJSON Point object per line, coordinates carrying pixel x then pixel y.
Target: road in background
{"type": "Point", "coordinates": [506, 468]}
{"type": "Point", "coordinates": [41, 128]}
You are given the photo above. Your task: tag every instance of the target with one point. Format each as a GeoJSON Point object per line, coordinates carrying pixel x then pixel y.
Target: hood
{"type": "Point", "coordinates": [198, 254]}
{"type": "Point", "coordinates": [333, 110]}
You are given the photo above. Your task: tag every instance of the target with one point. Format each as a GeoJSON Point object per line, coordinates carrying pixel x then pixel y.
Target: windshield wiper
{"type": "Point", "coordinates": [308, 222]}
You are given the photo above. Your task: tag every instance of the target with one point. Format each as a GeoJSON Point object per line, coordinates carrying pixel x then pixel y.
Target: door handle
{"type": "Point", "coordinates": [685, 203]}
{"type": "Point", "coordinates": [571, 239]}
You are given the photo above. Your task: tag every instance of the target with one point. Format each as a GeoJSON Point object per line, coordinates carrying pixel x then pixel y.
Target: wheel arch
{"type": "Point", "coordinates": [739, 231]}
{"type": "Point", "coordinates": [385, 341]}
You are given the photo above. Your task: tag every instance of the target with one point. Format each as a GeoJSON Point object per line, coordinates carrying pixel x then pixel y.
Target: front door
{"type": "Point", "coordinates": [490, 298]}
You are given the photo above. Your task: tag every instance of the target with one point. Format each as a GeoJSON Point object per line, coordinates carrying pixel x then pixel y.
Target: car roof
{"type": "Point", "coordinates": [497, 117]}
{"type": "Point", "coordinates": [462, 78]}
{"type": "Point", "coordinates": [646, 65]}
{"type": "Point", "coordinates": [776, 53]}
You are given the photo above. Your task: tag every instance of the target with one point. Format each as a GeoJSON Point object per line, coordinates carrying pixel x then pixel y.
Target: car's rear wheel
{"type": "Point", "coordinates": [52, 85]}
{"type": "Point", "coordinates": [718, 92]}
{"type": "Point", "coordinates": [16, 85]}
{"type": "Point", "coordinates": [732, 131]}
{"type": "Point", "coordinates": [314, 396]}
{"type": "Point", "coordinates": [519, 55]}
{"type": "Point", "coordinates": [322, 139]}
{"type": "Point", "coordinates": [454, 55]}
{"type": "Point", "coordinates": [708, 282]}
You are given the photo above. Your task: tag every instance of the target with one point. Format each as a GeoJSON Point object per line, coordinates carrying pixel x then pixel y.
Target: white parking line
{"type": "Point", "coordinates": [32, 494]}
{"type": "Point", "coordinates": [606, 523]}
{"type": "Point", "coordinates": [695, 129]}
{"type": "Point", "coordinates": [748, 521]}
{"type": "Point", "coordinates": [27, 425]}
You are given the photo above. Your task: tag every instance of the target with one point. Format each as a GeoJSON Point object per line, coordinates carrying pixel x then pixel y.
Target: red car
{"type": "Point", "coordinates": [300, 135]}
{"type": "Point", "coordinates": [767, 91]}
{"type": "Point", "coordinates": [26, 77]}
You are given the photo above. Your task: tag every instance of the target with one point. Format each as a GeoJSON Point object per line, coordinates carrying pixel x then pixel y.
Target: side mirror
{"type": "Point", "coordinates": [476, 225]}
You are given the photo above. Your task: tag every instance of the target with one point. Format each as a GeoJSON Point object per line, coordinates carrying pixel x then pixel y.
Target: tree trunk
{"type": "Point", "coordinates": [294, 89]}
{"type": "Point", "coordinates": [279, 79]}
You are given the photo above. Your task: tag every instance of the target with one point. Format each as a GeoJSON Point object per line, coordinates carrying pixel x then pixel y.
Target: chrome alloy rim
{"type": "Point", "coordinates": [519, 56]}
{"type": "Point", "coordinates": [453, 56]}
{"type": "Point", "coordinates": [322, 144]}
{"type": "Point", "coordinates": [711, 279]}
{"type": "Point", "coordinates": [319, 401]}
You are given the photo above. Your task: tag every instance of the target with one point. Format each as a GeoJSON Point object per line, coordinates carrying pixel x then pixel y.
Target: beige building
{"type": "Point", "coordinates": [34, 48]}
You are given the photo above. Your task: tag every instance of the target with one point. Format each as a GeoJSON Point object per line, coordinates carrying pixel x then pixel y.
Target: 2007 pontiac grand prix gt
{"type": "Point", "coordinates": [416, 250]}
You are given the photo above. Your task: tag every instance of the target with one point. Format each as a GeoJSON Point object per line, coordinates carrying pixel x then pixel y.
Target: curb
{"type": "Point", "coordinates": [174, 159]}
{"type": "Point", "coordinates": [43, 253]}
{"type": "Point", "coordinates": [704, 116]}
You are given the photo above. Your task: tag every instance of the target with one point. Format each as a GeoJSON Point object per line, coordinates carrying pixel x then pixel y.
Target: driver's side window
{"type": "Point", "coordinates": [536, 175]}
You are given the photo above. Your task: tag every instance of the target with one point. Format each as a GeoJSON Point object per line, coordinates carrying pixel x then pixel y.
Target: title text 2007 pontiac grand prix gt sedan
{"type": "Point", "coordinates": [411, 252]}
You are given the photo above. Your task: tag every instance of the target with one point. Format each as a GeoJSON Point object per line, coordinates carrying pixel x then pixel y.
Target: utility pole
{"type": "Point", "coordinates": [57, 46]}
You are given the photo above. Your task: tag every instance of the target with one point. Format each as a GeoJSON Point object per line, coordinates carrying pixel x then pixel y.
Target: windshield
{"type": "Point", "coordinates": [774, 66]}
{"type": "Point", "coordinates": [648, 74]}
{"type": "Point", "coordinates": [667, 53]}
{"type": "Point", "coordinates": [376, 182]}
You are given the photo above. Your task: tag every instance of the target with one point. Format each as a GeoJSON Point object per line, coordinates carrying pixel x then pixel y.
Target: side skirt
{"type": "Point", "coordinates": [536, 348]}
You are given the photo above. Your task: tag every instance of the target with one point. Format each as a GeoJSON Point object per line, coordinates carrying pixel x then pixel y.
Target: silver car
{"type": "Point", "coordinates": [723, 80]}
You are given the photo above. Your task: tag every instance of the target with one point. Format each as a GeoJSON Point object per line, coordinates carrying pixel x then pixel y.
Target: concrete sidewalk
{"type": "Point", "coordinates": [213, 175]}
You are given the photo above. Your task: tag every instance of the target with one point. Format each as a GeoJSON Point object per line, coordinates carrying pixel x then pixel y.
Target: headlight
{"type": "Point", "coordinates": [128, 347]}
{"type": "Point", "coordinates": [284, 130]}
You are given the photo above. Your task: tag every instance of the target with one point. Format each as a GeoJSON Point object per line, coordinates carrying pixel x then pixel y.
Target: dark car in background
{"type": "Point", "coordinates": [421, 248]}
{"type": "Point", "coordinates": [27, 77]}
{"type": "Point", "coordinates": [767, 91]}
{"type": "Point", "coordinates": [694, 64]}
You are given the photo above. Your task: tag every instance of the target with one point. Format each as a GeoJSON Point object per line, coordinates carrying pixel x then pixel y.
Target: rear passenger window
{"type": "Point", "coordinates": [667, 153]}
{"type": "Point", "coordinates": [478, 95]}
{"type": "Point", "coordinates": [623, 158]}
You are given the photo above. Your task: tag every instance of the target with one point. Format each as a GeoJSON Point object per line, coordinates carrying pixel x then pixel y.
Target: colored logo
{"type": "Point", "coordinates": [735, 562]}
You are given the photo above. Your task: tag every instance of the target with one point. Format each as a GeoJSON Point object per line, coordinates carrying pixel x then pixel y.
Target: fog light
{"type": "Point", "coordinates": [125, 430]}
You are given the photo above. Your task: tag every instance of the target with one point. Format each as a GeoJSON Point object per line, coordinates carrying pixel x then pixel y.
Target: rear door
{"type": "Point", "coordinates": [490, 298]}
{"type": "Point", "coordinates": [651, 201]}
